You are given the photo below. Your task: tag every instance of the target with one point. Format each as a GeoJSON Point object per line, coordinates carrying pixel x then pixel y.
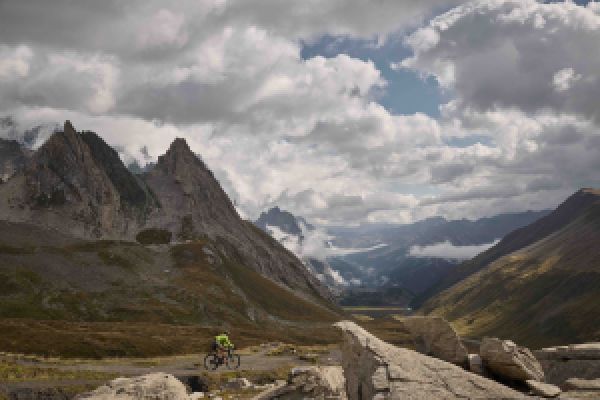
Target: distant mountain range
{"type": "Point", "coordinates": [411, 257]}
{"type": "Point", "coordinates": [540, 285]}
{"type": "Point", "coordinates": [285, 221]}
{"type": "Point", "coordinates": [304, 240]}
{"type": "Point", "coordinates": [84, 239]}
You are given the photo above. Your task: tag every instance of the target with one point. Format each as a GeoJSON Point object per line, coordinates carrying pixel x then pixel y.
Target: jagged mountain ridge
{"type": "Point", "coordinates": [389, 264]}
{"type": "Point", "coordinates": [77, 184]}
{"type": "Point", "coordinates": [420, 274]}
{"type": "Point", "coordinates": [544, 292]}
{"type": "Point", "coordinates": [292, 231]}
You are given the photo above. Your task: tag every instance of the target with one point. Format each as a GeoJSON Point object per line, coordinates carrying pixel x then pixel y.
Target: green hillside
{"type": "Point", "coordinates": [566, 212]}
{"type": "Point", "coordinates": [547, 293]}
{"type": "Point", "coordinates": [94, 298]}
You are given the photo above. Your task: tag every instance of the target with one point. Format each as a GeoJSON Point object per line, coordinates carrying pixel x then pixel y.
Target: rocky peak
{"type": "Point", "coordinates": [179, 157]}
{"type": "Point", "coordinates": [63, 147]}
{"type": "Point", "coordinates": [77, 183]}
{"type": "Point", "coordinates": [284, 220]}
{"type": "Point", "coordinates": [12, 159]}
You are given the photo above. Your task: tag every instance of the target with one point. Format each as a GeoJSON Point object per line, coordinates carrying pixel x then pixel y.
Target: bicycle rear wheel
{"type": "Point", "coordinates": [211, 362]}
{"type": "Point", "coordinates": [233, 361]}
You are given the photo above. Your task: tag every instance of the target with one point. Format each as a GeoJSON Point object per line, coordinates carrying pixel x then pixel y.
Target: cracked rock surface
{"type": "Point", "coordinates": [507, 360]}
{"type": "Point", "coordinates": [374, 369]}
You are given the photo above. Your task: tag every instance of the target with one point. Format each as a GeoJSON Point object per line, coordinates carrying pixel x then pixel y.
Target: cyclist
{"type": "Point", "coordinates": [222, 345]}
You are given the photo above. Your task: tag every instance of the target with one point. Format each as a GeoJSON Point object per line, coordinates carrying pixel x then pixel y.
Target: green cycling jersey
{"type": "Point", "coordinates": [223, 341]}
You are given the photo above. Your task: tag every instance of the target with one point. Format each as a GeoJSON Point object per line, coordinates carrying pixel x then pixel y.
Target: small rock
{"type": "Point", "coordinates": [158, 386]}
{"type": "Point", "coordinates": [197, 395]}
{"type": "Point", "coordinates": [507, 360]}
{"type": "Point", "coordinates": [238, 383]}
{"type": "Point", "coordinates": [582, 351]}
{"type": "Point", "coordinates": [582, 384]}
{"type": "Point", "coordinates": [380, 379]}
{"type": "Point", "coordinates": [310, 383]}
{"type": "Point", "coordinates": [543, 389]}
{"type": "Point", "coordinates": [476, 364]}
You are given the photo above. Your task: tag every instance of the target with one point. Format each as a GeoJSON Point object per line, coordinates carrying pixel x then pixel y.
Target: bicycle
{"type": "Point", "coordinates": [214, 360]}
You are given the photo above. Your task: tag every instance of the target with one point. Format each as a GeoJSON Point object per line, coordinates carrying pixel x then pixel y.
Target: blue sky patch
{"type": "Point", "coordinates": [406, 93]}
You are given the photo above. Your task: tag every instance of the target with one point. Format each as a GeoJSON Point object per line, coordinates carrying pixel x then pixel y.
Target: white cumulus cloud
{"type": "Point", "coordinates": [447, 250]}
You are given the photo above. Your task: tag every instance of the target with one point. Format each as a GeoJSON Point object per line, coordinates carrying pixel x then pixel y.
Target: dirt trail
{"type": "Point", "coordinates": [184, 365]}
{"type": "Point", "coordinates": [180, 366]}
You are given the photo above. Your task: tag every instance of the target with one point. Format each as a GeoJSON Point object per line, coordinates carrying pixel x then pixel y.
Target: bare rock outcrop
{"type": "Point", "coordinates": [374, 369]}
{"type": "Point", "coordinates": [506, 360]}
{"type": "Point", "coordinates": [434, 336]}
{"type": "Point", "coordinates": [157, 386]}
{"type": "Point", "coordinates": [77, 184]}
{"type": "Point", "coordinates": [310, 383]}
{"type": "Point", "coordinates": [573, 361]}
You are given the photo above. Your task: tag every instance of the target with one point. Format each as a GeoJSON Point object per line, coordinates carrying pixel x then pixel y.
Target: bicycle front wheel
{"type": "Point", "coordinates": [233, 361]}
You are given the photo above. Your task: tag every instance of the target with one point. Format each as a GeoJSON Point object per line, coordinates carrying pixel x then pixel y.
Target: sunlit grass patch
{"type": "Point", "coordinates": [14, 372]}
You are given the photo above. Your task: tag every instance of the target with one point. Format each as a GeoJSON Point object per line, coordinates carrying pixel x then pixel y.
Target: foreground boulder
{"type": "Point", "coordinates": [374, 369]}
{"type": "Point", "coordinates": [157, 386]}
{"type": "Point", "coordinates": [434, 336]}
{"type": "Point", "coordinates": [506, 360]}
{"type": "Point", "coordinates": [573, 361]}
{"type": "Point", "coordinates": [309, 383]}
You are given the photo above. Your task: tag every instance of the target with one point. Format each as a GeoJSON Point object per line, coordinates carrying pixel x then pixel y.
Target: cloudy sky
{"type": "Point", "coordinates": [343, 111]}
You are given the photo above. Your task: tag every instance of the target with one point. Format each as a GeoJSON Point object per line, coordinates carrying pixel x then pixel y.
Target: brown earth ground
{"type": "Point", "coordinates": [260, 364]}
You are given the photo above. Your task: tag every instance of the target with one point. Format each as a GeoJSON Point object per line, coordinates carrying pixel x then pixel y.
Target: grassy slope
{"type": "Point", "coordinates": [516, 240]}
{"type": "Point", "coordinates": [61, 296]}
{"type": "Point", "coordinates": [545, 294]}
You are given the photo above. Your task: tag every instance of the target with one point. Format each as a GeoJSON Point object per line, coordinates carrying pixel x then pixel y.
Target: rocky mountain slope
{"type": "Point", "coordinates": [75, 183]}
{"type": "Point", "coordinates": [542, 286]}
{"type": "Point", "coordinates": [69, 216]}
